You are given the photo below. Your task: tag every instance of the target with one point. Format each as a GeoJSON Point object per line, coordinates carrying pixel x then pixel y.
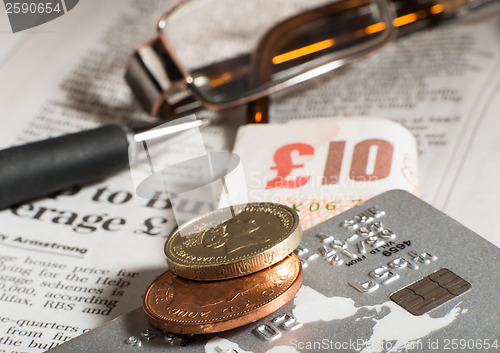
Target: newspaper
{"type": "Point", "coordinates": [80, 258]}
{"type": "Point", "coordinates": [73, 261]}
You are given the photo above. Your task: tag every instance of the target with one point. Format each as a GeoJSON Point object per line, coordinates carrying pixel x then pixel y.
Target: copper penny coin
{"type": "Point", "coordinates": [233, 241]}
{"type": "Point", "coordinates": [178, 305]}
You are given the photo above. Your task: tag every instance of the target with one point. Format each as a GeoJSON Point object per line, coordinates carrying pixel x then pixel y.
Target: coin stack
{"type": "Point", "coordinates": [227, 271]}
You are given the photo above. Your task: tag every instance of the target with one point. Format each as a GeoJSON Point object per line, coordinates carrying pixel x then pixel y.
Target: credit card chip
{"type": "Point", "coordinates": [430, 292]}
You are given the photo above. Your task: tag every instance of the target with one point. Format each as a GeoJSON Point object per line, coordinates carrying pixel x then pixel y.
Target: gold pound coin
{"type": "Point", "coordinates": [233, 242]}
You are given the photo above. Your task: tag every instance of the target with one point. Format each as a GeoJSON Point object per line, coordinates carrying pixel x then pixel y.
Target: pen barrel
{"type": "Point", "coordinates": [40, 168]}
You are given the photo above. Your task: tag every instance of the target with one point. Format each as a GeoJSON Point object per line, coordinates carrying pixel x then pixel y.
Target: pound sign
{"type": "Point", "coordinates": [284, 166]}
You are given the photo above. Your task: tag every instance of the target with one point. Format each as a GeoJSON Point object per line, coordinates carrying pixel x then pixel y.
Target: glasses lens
{"type": "Point", "coordinates": [241, 50]}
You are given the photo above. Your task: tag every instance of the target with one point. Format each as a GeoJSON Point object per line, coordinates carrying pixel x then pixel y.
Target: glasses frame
{"type": "Point", "coordinates": [196, 99]}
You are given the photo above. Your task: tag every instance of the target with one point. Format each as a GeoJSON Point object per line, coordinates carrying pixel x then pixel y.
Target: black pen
{"type": "Point", "coordinates": [40, 168]}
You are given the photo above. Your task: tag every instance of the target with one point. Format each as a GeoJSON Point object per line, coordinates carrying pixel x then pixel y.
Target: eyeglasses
{"type": "Point", "coordinates": [219, 54]}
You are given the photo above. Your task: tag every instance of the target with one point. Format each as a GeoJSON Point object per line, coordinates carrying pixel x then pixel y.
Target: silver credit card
{"type": "Point", "coordinates": [391, 275]}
